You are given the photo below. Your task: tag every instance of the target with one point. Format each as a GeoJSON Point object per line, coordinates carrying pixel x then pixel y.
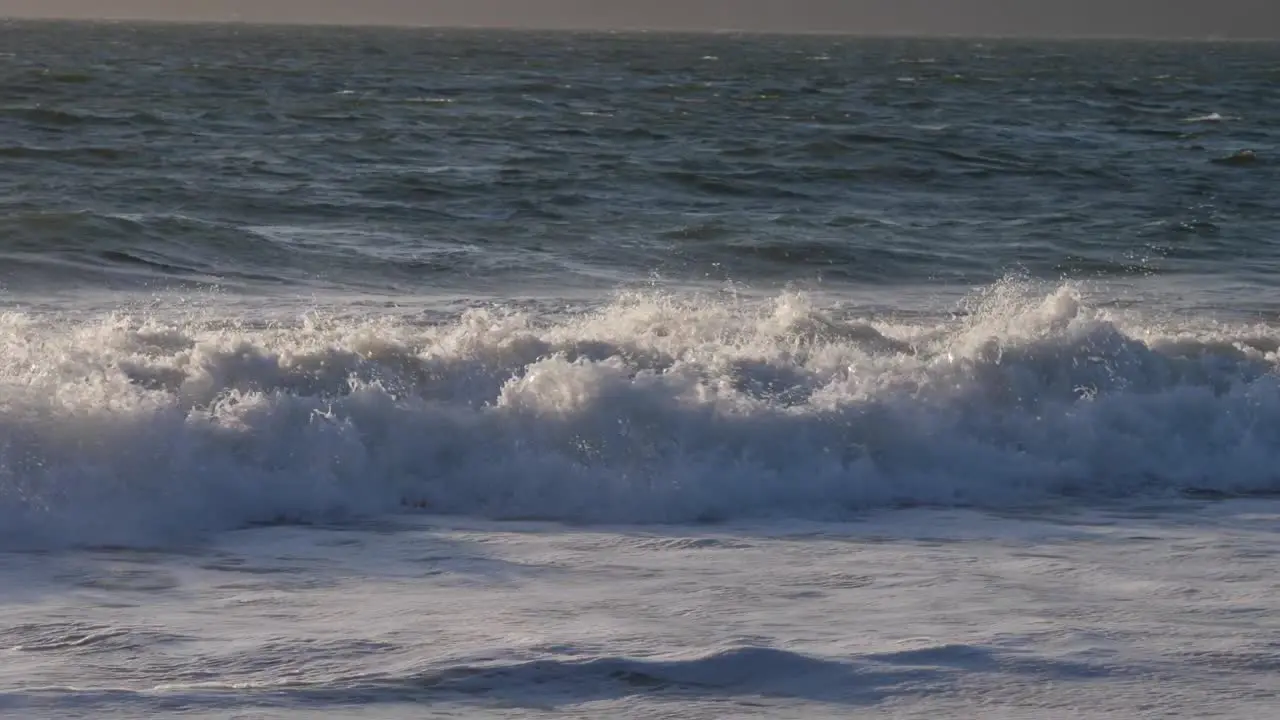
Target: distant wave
{"type": "Point", "coordinates": [45, 250]}
{"type": "Point", "coordinates": [49, 250]}
{"type": "Point", "coordinates": [653, 409]}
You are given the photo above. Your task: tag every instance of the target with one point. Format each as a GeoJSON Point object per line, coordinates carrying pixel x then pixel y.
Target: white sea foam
{"type": "Point", "coordinates": [1211, 118]}
{"type": "Point", "coordinates": [125, 430]}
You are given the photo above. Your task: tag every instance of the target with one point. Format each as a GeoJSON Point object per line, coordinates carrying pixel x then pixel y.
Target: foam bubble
{"type": "Point", "coordinates": [654, 408]}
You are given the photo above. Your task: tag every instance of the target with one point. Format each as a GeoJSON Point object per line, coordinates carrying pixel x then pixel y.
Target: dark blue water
{"type": "Point", "coordinates": [288, 161]}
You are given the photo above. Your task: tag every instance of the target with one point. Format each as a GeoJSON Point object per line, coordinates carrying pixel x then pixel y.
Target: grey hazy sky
{"type": "Point", "coordinates": [1181, 18]}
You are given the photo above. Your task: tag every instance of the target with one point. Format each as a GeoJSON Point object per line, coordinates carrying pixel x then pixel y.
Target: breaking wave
{"type": "Point", "coordinates": [128, 430]}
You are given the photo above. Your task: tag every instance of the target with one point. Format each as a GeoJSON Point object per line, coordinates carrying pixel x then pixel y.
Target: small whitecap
{"type": "Point", "coordinates": [1210, 118]}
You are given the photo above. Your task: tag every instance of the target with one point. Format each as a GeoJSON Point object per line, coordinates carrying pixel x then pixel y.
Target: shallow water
{"type": "Point", "coordinates": [908, 614]}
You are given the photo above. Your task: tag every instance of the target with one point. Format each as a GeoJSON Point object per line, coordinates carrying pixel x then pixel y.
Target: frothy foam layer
{"type": "Point", "coordinates": [652, 409]}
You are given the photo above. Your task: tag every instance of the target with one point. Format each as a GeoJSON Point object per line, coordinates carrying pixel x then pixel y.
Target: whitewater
{"type": "Point", "coordinates": [405, 373]}
{"type": "Point", "coordinates": [690, 507]}
{"type": "Point", "coordinates": [127, 430]}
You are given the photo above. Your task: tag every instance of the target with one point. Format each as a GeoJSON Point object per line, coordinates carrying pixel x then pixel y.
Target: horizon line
{"type": "Point", "coordinates": [634, 29]}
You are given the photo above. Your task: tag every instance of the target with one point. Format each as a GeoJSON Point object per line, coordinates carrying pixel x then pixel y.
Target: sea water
{"type": "Point", "coordinates": [405, 373]}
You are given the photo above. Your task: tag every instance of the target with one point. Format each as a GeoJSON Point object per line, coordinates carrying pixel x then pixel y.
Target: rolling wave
{"type": "Point", "coordinates": [652, 409]}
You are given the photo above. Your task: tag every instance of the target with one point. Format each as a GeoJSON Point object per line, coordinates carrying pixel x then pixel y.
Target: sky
{"type": "Point", "coordinates": [1165, 18]}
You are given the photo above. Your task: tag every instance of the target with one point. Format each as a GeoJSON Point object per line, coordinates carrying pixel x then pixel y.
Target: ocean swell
{"type": "Point", "coordinates": [125, 430]}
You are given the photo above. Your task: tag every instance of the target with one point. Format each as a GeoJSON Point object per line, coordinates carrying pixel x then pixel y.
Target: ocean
{"type": "Point", "coordinates": [356, 372]}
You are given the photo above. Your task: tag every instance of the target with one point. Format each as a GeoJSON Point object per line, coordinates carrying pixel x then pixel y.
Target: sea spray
{"type": "Point", "coordinates": [652, 408]}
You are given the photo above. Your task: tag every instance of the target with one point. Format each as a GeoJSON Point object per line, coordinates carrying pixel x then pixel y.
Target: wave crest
{"type": "Point", "coordinates": [652, 409]}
